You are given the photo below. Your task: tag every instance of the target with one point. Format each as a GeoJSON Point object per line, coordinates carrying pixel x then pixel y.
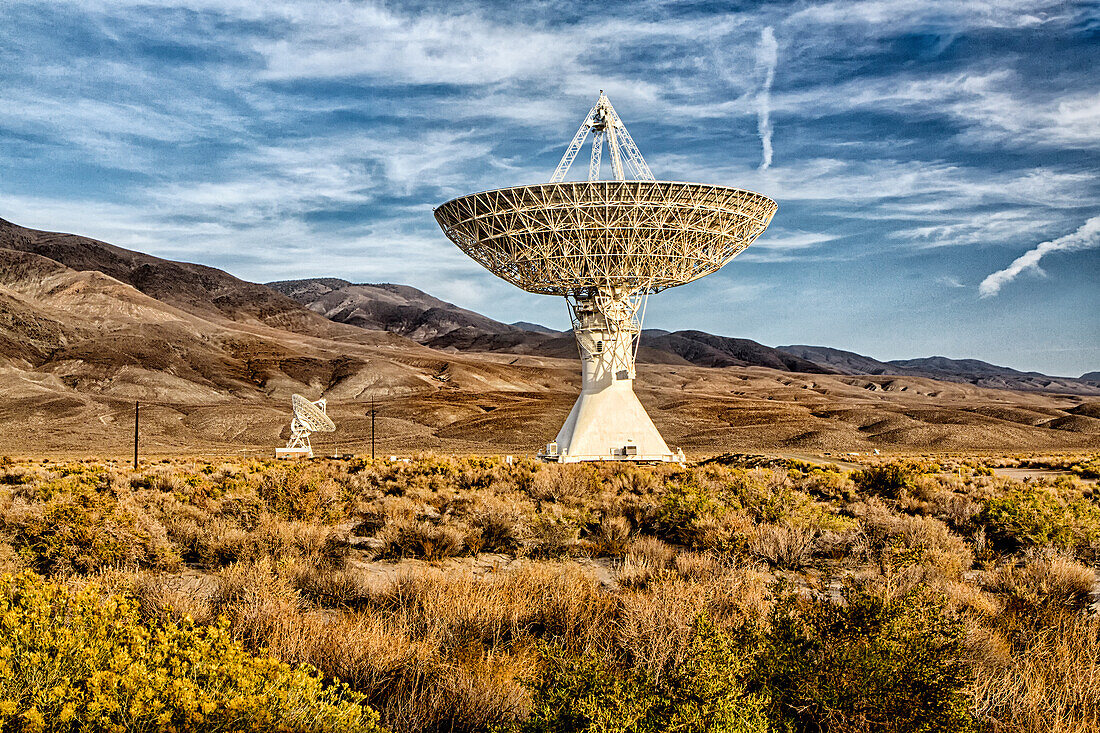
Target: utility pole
{"type": "Point", "coordinates": [373, 412]}
{"type": "Point", "coordinates": [136, 415]}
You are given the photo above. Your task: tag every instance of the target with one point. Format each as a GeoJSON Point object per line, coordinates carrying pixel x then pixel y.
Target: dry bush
{"type": "Point", "coordinates": [564, 484]}
{"type": "Point", "coordinates": [500, 525]}
{"type": "Point", "coordinates": [408, 508]}
{"type": "Point", "coordinates": [637, 572]}
{"type": "Point", "coordinates": [647, 558]}
{"type": "Point", "coordinates": [657, 553]}
{"type": "Point", "coordinates": [551, 534]}
{"type": "Point", "coordinates": [452, 650]}
{"type": "Point", "coordinates": [422, 540]}
{"type": "Point", "coordinates": [367, 650]}
{"type": "Point", "coordinates": [255, 599]}
{"type": "Point", "coordinates": [782, 545]}
{"type": "Point", "coordinates": [209, 542]}
{"type": "Point", "coordinates": [162, 598]}
{"type": "Point", "coordinates": [562, 602]}
{"type": "Point", "coordinates": [726, 532]}
{"type": "Point", "coordinates": [302, 492]}
{"type": "Point", "coordinates": [957, 510]}
{"type": "Point", "coordinates": [418, 684]}
{"type": "Point", "coordinates": [218, 541]}
{"type": "Point", "coordinates": [924, 488]}
{"type": "Point", "coordinates": [839, 544]}
{"type": "Point", "coordinates": [738, 595]}
{"type": "Point", "coordinates": [449, 651]}
{"type": "Point", "coordinates": [698, 566]}
{"type": "Point", "coordinates": [1052, 581]}
{"type": "Point", "coordinates": [896, 541]}
{"type": "Point", "coordinates": [612, 537]}
{"type": "Point", "coordinates": [963, 597]}
{"type": "Point", "coordinates": [277, 539]}
{"type": "Point", "coordinates": [327, 586]}
{"type": "Point", "coordinates": [654, 627]}
{"type": "Point", "coordinates": [987, 648]}
{"type": "Point", "coordinates": [628, 479]}
{"type": "Point", "coordinates": [161, 479]}
{"type": "Point", "coordinates": [10, 562]}
{"type": "Point", "coordinates": [834, 485]}
{"type": "Point", "coordinates": [483, 689]}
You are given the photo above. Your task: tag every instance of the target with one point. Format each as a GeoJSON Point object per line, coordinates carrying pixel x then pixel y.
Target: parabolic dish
{"type": "Point", "coordinates": [557, 238]}
{"type": "Point", "coordinates": [311, 416]}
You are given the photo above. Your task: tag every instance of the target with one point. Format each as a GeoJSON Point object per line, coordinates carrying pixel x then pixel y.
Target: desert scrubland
{"type": "Point", "coordinates": [742, 593]}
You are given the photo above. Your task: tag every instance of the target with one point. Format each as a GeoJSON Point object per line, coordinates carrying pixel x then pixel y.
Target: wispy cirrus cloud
{"type": "Point", "coordinates": [886, 16]}
{"type": "Point", "coordinates": [1087, 236]}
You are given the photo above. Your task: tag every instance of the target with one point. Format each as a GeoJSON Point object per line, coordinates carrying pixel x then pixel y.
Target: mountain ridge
{"type": "Point", "coordinates": [213, 364]}
{"type": "Point", "coordinates": [969, 371]}
{"type": "Point", "coordinates": [441, 325]}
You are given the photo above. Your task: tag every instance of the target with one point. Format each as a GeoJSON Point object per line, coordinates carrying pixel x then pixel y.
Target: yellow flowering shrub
{"type": "Point", "coordinates": [73, 660]}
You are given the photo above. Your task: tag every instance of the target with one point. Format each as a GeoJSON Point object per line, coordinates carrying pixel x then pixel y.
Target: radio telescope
{"type": "Point", "coordinates": [309, 417]}
{"type": "Point", "coordinates": [606, 245]}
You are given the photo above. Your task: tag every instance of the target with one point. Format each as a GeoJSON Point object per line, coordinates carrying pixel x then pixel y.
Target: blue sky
{"type": "Point", "coordinates": [918, 149]}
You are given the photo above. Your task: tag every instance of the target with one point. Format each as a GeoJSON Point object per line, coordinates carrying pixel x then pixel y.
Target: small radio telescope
{"type": "Point", "coordinates": [606, 246]}
{"type": "Point", "coordinates": [309, 417]}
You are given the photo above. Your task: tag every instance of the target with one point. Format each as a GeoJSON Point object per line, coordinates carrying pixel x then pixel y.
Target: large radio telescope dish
{"type": "Point", "coordinates": [309, 417]}
{"type": "Point", "coordinates": [556, 238]}
{"type": "Point", "coordinates": [312, 414]}
{"type": "Point", "coordinates": [606, 246]}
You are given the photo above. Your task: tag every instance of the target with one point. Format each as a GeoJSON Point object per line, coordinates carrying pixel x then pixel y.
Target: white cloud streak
{"type": "Point", "coordinates": [767, 56]}
{"type": "Point", "coordinates": [1086, 237]}
{"type": "Point", "coordinates": [953, 14]}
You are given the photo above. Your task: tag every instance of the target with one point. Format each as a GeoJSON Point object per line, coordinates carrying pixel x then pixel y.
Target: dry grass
{"type": "Point", "coordinates": [1047, 680]}
{"type": "Point", "coordinates": [618, 563]}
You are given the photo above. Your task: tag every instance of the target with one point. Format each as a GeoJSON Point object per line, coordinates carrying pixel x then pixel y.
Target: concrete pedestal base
{"type": "Point", "coordinates": [293, 453]}
{"type": "Point", "coordinates": [609, 425]}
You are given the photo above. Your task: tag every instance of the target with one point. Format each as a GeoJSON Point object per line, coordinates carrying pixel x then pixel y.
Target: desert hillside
{"type": "Point", "coordinates": [87, 329]}
{"type": "Point", "coordinates": [413, 313]}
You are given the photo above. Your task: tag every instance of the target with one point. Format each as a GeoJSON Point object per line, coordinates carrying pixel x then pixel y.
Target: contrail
{"type": "Point", "coordinates": [767, 54]}
{"type": "Point", "coordinates": [1086, 237]}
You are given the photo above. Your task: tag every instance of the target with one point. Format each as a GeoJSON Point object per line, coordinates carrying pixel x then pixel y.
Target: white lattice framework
{"type": "Point", "coordinates": [606, 246]}
{"type": "Point", "coordinates": [309, 417]}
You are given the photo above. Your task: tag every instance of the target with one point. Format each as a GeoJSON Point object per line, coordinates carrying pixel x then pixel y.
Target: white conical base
{"type": "Point", "coordinates": [608, 425]}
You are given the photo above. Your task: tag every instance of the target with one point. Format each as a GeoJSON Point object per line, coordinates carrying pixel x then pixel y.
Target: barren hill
{"type": "Point", "coordinates": [967, 371]}
{"type": "Point", "coordinates": [386, 307]}
{"type": "Point", "coordinates": [196, 289]}
{"type": "Point", "coordinates": [413, 313]}
{"type": "Point", "coordinates": [87, 328]}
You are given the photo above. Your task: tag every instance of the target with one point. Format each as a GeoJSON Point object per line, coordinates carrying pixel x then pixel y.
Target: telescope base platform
{"type": "Point", "coordinates": [609, 424]}
{"type": "Point", "coordinates": [292, 453]}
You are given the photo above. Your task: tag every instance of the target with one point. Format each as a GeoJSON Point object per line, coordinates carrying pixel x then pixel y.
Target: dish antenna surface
{"type": "Point", "coordinates": [606, 245]}
{"type": "Point", "coordinates": [309, 417]}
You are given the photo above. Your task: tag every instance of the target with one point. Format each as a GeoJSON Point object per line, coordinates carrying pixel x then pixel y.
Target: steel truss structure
{"type": "Point", "coordinates": [556, 238]}
{"type": "Point", "coordinates": [606, 246]}
{"type": "Point", "coordinates": [309, 417]}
